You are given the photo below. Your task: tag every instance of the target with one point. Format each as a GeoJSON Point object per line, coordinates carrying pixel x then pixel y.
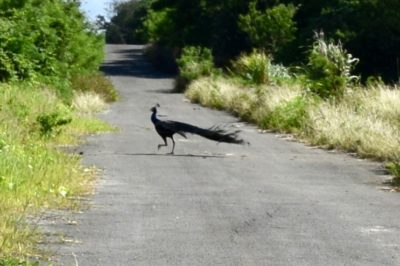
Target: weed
{"type": "Point", "coordinates": [364, 121]}
{"type": "Point", "coordinates": [34, 176]}
{"type": "Point", "coordinates": [252, 67]}
{"type": "Point", "coordinates": [270, 29]}
{"type": "Point", "coordinates": [14, 262]}
{"type": "Point", "coordinates": [356, 125]}
{"type": "Point", "coordinates": [329, 68]}
{"type": "Point", "coordinates": [279, 74]}
{"type": "Point", "coordinates": [96, 84]}
{"type": "Point", "coordinates": [289, 116]}
{"type": "Point", "coordinates": [50, 123]}
{"type": "Point", "coordinates": [194, 62]}
{"type": "Point", "coordinates": [88, 103]}
{"type": "Point", "coordinates": [394, 169]}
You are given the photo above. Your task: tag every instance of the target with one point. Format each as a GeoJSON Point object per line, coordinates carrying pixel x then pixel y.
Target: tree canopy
{"type": "Point", "coordinates": [368, 29]}
{"type": "Point", "coordinates": [46, 38]}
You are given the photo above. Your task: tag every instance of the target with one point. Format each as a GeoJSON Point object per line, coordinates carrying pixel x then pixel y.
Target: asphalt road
{"type": "Point", "coordinates": [275, 202]}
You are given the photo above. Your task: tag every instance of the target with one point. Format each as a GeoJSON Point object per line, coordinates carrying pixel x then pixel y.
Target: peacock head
{"type": "Point", "coordinates": [154, 108]}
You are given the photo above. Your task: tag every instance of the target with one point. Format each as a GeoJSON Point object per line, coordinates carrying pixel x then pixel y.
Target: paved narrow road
{"type": "Point", "coordinates": [275, 202]}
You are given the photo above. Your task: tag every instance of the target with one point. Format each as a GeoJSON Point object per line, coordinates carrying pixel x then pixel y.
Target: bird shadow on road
{"type": "Point", "coordinates": [204, 156]}
{"type": "Point", "coordinates": [164, 90]}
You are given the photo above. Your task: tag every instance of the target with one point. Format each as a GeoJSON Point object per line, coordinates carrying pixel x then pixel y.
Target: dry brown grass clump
{"type": "Point", "coordinates": [365, 120]}
{"type": "Point", "coordinates": [251, 103]}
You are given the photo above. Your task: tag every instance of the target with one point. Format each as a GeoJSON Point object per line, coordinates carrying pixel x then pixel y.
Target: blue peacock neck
{"type": "Point", "coordinates": [154, 118]}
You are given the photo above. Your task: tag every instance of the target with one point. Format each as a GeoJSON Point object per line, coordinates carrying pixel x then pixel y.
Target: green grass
{"type": "Point", "coordinates": [252, 67]}
{"type": "Point", "coordinates": [15, 262]}
{"type": "Point", "coordinates": [365, 121]}
{"type": "Point", "coordinates": [289, 116]}
{"type": "Point", "coordinates": [95, 83]}
{"type": "Point", "coordinates": [35, 175]}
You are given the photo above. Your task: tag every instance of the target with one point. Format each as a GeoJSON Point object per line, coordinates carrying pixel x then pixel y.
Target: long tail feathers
{"type": "Point", "coordinates": [220, 135]}
{"type": "Point", "coordinates": [215, 133]}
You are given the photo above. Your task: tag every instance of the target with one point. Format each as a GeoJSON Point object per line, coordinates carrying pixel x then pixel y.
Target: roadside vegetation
{"type": "Point", "coordinates": [324, 72]}
{"type": "Point", "coordinates": [324, 106]}
{"type": "Point", "coordinates": [365, 122]}
{"type": "Point", "coordinates": [50, 91]}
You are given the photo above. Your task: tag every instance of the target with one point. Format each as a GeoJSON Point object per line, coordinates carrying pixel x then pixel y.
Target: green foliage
{"type": "Point", "coordinates": [253, 67]}
{"type": "Point", "coordinates": [257, 68]}
{"type": "Point", "coordinates": [44, 44]}
{"type": "Point", "coordinates": [160, 26]}
{"type": "Point", "coordinates": [126, 26]}
{"type": "Point", "coordinates": [195, 62]}
{"type": "Point", "coordinates": [14, 262]}
{"type": "Point", "coordinates": [288, 117]}
{"type": "Point", "coordinates": [329, 68]}
{"type": "Point", "coordinates": [46, 41]}
{"type": "Point", "coordinates": [279, 74]}
{"type": "Point", "coordinates": [365, 121]}
{"type": "Point", "coordinates": [394, 169]}
{"type": "Point", "coordinates": [271, 29]}
{"type": "Point", "coordinates": [50, 123]}
{"type": "Point", "coordinates": [205, 23]}
{"type": "Point", "coordinates": [374, 81]}
{"type": "Point", "coordinates": [34, 176]}
{"type": "Point", "coordinates": [95, 82]}
{"type": "Point", "coordinates": [368, 29]}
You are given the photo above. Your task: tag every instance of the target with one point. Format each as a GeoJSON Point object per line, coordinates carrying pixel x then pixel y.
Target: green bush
{"type": "Point", "coordinates": [95, 82]}
{"type": "Point", "coordinates": [374, 81]}
{"type": "Point", "coordinates": [252, 67]}
{"type": "Point", "coordinates": [329, 68]}
{"type": "Point", "coordinates": [394, 169]}
{"type": "Point", "coordinates": [15, 262]}
{"type": "Point", "coordinates": [194, 62]}
{"type": "Point", "coordinates": [34, 174]}
{"type": "Point", "coordinates": [126, 26]}
{"type": "Point", "coordinates": [289, 117]}
{"type": "Point", "coordinates": [270, 29]}
{"type": "Point", "coordinates": [158, 27]}
{"type": "Point", "coordinates": [46, 41]}
{"type": "Point", "coordinates": [50, 123]}
{"type": "Point", "coordinates": [279, 75]}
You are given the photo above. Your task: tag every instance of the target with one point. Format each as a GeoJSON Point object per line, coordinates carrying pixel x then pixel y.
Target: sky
{"type": "Point", "coordinates": [92, 8]}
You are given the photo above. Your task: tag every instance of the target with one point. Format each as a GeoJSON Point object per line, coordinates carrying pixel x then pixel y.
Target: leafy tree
{"type": "Point", "coordinates": [253, 67]}
{"type": "Point", "coordinates": [271, 29]}
{"type": "Point", "coordinates": [329, 68]}
{"type": "Point", "coordinates": [46, 39]}
{"type": "Point", "coordinates": [195, 62]}
{"type": "Point", "coordinates": [368, 29]}
{"type": "Point", "coordinates": [126, 25]}
{"type": "Point", "coordinates": [160, 27]}
{"type": "Point", "coordinates": [205, 23]}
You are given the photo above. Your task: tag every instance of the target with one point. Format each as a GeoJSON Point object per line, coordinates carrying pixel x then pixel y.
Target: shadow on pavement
{"type": "Point", "coordinates": [177, 155]}
{"type": "Point", "coordinates": [133, 64]}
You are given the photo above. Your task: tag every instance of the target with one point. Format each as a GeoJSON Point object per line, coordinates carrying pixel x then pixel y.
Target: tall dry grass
{"type": "Point", "coordinates": [365, 121]}
{"type": "Point", "coordinates": [250, 103]}
{"type": "Point", "coordinates": [88, 103]}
